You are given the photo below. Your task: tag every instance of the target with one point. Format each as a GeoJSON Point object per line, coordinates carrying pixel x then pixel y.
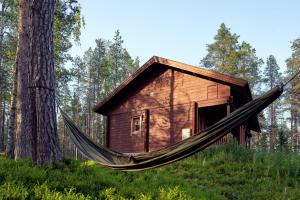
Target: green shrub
{"type": "Point", "coordinates": [173, 193]}
{"type": "Point", "coordinates": [11, 190]}
{"type": "Point", "coordinates": [220, 172]}
{"type": "Point", "coordinates": [43, 192]}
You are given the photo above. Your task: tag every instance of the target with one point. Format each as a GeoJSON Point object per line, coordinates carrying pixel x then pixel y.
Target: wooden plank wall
{"type": "Point", "coordinates": [170, 99]}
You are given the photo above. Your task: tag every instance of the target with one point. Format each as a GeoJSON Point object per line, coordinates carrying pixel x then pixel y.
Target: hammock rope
{"type": "Point", "coordinates": [177, 151]}
{"type": "Point", "coordinates": [291, 78]}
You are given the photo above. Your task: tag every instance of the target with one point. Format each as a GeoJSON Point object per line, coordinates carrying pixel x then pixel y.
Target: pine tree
{"type": "Point", "coordinates": [107, 65]}
{"type": "Point", "coordinates": [283, 134]}
{"type": "Point", "coordinates": [293, 66]}
{"type": "Point", "coordinates": [130, 65]}
{"type": "Point", "coordinates": [272, 77]}
{"type": "Point", "coordinates": [98, 74]}
{"type": "Point", "coordinates": [116, 55]}
{"type": "Point", "coordinates": [263, 136]}
{"type": "Point", "coordinates": [44, 132]}
{"type": "Point", "coordinates": [228, 56]}
{"type": "Point", "coordinates": [249, 65]}
{"type": "Point", "coordinates": [8, 37]}
{"type": "Point", "coordinates": [24, 121]}
{"type": "Point", "coordinates": [65, 101]}
{"type": "Point", "coordinates": [223, 54]}
{"type": "Point", "coordinates": [67, 25]}
{"type": "Point", "coordinates": [1, 78]}
{"type": "Point", "coordinates": [10, 147]}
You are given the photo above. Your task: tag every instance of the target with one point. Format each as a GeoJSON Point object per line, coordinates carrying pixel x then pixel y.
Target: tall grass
{"type": "Point", "coordinates": [220, 172]}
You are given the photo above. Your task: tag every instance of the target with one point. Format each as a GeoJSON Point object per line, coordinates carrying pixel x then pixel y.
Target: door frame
{"type": "Point", "coordinates": [147, 129]}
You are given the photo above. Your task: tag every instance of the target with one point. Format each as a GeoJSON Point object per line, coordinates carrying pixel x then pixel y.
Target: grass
{"type": "Point", "coordinates": [222, 172]}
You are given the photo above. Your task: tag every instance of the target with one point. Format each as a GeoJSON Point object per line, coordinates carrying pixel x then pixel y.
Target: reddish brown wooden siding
{"type": "Point", "coordinates": [170, 98]}
{"type": "Point", "coordinates": [162, 63]}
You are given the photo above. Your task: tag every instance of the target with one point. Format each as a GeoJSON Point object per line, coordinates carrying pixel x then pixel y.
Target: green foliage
{"type": "Point", "coordinates": [272, 76]}
{"type": "Point", "coordinates": [8, 43]}
{"type": "Point", "coordinates": [121, 64]}
{"type": "Point", "coordinates": [220, 172]}
{"type": "Point", "coordinates": [172, 193]}
{"type": "Point", "coordinates": [223, 53]}
{"type": "Point", "coordinates": [283, 135]}
{"type": "Point", "coordinates": [293, 67]}
{"type": "Point", "coordinates": [12, 190]}
{"type": "Point", "coordinates": [95, 75]}
{"type": "Point", "coordinates": [228, 56]}
{"type": "Point", "coordinates": [43, 192]}
{"type": "Point", "coordinates": [68, 22]}
{"type": "Point", "coordinates": [249, 65]}
{"type": "Point", "coordinates": [293, 63]}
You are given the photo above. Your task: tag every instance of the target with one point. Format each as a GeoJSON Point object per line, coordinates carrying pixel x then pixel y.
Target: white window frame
{"type": "Point", "coordinates": [139, 117]}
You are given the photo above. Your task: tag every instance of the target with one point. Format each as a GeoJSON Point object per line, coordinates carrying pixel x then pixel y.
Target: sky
{"type": "Point", "coordinates": [181, 30]}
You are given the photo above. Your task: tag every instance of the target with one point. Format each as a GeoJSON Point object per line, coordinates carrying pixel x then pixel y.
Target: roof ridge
{"type": "Point", "coordinates": [171, 62]}
{"type": "Point", "coordinates": [210, 75]}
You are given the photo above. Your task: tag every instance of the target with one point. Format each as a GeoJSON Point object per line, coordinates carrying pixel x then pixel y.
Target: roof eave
{"type": "Point", "coordinates": [210, 75]}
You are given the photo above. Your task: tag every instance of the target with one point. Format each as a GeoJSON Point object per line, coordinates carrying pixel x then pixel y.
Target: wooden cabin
{"type": "Point", "coordinates": [167, 101]}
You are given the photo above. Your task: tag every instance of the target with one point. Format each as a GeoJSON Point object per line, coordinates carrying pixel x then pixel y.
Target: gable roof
{"type": "Point", "coordinates": [154, 62]}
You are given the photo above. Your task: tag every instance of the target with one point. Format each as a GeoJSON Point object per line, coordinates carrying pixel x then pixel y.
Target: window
{"type": "Point", "coordinates": [136, 124]}
{"type": "Point", "coordinates": [185, 133]}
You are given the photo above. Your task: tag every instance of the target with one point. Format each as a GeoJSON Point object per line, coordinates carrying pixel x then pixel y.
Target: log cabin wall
{"type": "Point", "coordinates": [170, 99]}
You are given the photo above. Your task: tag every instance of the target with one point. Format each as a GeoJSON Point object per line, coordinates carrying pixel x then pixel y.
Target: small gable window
{"type": "Point", "coordinates": [136, 124]}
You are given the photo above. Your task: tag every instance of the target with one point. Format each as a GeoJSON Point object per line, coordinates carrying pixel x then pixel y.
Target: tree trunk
{"type": "Point", "coordinates": [22, 145]}
{"type": "Point", "coordinates": [294, 123]}
{"type": "Point", "coordinates": [273, 128]}
{"type": "Point", "coordinates": [1, 84]}
{"type": "Point", "coordinates": [63, 141]}
{"type": "Point", "coordinates": [12, 121]}
{"type": "Point", "coordinates": [42, 81]}
{"type": "Point", "coordinates": [2, 122]}
{"type": "Point", "coordinates": [75, 117]}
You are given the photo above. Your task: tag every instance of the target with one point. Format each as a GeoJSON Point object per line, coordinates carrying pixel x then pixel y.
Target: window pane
{"type": "Point", "coordinates": [136, 124]}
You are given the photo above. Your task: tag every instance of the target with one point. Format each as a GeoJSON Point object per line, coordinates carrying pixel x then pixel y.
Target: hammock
{"type": "Point", "coordinates": [175, 152]}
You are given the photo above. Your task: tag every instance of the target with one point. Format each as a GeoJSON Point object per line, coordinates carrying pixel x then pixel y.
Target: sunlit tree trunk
{"type": "Point", "coordinates": [23, 137]}
{"type": "Point", "coordinates": [2, 114]}
{"type": "Point", "coordinates": [42, 81]}
{"type": "Point", "coordinates": [9, 151]}
{"type": "Point", "coordinates": [2, 124]}
{"type": "Point", "coordinates": [273, 127]}
{"type": "Point", "coordinates": [294, 128]}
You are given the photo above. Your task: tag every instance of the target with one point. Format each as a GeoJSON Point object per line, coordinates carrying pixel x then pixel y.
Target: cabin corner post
{"type": "Point", "coordinates": [147, 129]}
{"type": "Point", "coordinates": [242, 135]}
{"type": "Point", "coordinates": [247, 137]}
{"type": "Point", "coordinates": [195, 118]}
{"type": "Point", "coordinates": [106, 135]}
{"type": "Point", "coordinates": [228, 110]}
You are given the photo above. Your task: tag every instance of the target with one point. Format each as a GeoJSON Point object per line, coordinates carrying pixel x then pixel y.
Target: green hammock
{"type": "Point", "coordinates": [175, 152]}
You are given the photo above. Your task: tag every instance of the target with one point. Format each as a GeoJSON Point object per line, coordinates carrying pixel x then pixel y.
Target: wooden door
{"type": "Point", "coordinates": [140, 132]}
{"type": "Point", "coordinates": [201, 120]}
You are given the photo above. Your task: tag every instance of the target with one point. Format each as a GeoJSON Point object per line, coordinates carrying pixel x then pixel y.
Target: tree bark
{"type": "Point", "coordinates": [42, 81]}
{"type": "Point", "coordinates": [1, 83]}
{"type": "Point", "coordinates": [12, 121]}
{"type": "Point", "coordinates": [23, 137]}
{"type": "Point", "coordinates": [294, 130]}
{"type": "Point", "coordinates": [273, 127]}
{"type": "Point", "coordinates": [2, 122]}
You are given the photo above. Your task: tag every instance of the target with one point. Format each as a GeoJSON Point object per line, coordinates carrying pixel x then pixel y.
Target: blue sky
{"type": "Point", "coordinates": [180, 30]}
